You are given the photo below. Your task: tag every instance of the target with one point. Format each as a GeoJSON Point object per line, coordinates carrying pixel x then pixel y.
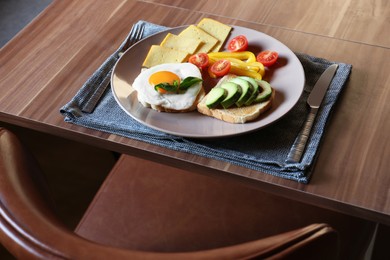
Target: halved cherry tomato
{"type": "Point", "coordinates": [268, 58]}
{"type": "Point", "coordinates": [201, 60]}
{"type": "Point", "coordinates": [220, 68]}
{"type": "Point", "coordinates": [238, 43]}
{"type": "Point", "coordinates": [211, 74]}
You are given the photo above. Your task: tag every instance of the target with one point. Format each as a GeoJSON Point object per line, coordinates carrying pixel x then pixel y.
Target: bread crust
{"type": "Point", "coordinates": [236, 115]}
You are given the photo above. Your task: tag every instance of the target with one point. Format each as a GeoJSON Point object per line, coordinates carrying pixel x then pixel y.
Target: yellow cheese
{"type": "Point", "coordinates": [181, 43]}
{"type": "Point", "coordinates": [216, 29]}
{"type": "Point", "coordinates": [193, 32]}
{"type": "Point", "coordinates": [159, 55]}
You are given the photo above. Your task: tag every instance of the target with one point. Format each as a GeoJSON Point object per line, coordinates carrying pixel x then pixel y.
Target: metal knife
{"type": "Point", "coordinates": [314, 101]}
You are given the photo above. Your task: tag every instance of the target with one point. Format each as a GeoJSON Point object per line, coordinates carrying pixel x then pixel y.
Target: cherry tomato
{"type": "Point", "coordinates": [238, 43]}
{"type": "Point", "coordinates": [201, 60]}
{"type": "Point", "coordinates": [268, 58]}
{"type": "Point", "coordinates": [211, 74]}
{"type": "Point", "coordinates": [220, 68]}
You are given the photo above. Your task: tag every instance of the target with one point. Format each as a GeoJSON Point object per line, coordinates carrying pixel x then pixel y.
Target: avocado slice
{"type": "Point", "coordinates": [265, 91]}
{"type": "Point", "coordinates": [234, 93]}
{"type": "Point", "coordinates": [255, 86]}
{"type": "Point", "coordinates": [247, 90]}
{"type": "Point", "coordinates": [215, 97]}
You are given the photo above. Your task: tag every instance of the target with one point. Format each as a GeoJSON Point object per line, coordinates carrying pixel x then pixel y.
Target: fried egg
{"type": "Point", "coordinates": [167, 73]}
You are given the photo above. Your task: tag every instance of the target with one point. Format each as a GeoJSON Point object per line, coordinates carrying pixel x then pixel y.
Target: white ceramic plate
{"type": "Point", "coordinates": [287, 78]}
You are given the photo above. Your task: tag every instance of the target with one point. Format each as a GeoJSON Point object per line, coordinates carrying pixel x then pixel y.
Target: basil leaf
{"type": "Point", "coordinates": [176, 88]}
{"type": "Point", "coordinates": [188, 82]}
{"type": "Point", "coordinates": [168, 87]}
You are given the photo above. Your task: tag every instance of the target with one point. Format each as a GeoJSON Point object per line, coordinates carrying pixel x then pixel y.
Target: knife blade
{"type": "Point", "coordinates": [314, 101]}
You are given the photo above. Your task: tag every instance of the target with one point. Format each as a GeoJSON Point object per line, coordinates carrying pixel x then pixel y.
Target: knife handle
{"type": "Point", "coordinates": [299, 145]}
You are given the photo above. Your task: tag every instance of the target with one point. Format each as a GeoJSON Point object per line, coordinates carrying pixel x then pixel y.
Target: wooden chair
{"type": "Point", "coordinates": [145, 210]}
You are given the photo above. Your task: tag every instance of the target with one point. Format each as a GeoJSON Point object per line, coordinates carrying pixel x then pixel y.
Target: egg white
{"type": "Point", "coordinates": [148, 96]}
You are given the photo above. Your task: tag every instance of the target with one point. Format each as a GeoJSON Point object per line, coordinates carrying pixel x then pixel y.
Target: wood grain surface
{"type": "Point", "coordinates": [42, 68]}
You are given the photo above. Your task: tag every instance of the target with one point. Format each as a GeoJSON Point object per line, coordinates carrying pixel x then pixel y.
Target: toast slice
{"type": "Point", "coordinates": [236, 115]}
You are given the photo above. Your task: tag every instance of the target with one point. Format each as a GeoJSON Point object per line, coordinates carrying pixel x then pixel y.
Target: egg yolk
{"type": "Point", "coordinates": [163, 77]}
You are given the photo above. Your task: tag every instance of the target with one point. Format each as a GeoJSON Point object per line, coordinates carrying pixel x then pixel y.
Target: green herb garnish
{"type": "Point", "coordinates": [168, 87]}
{"type": "Point", "coordinates": [175, 87]}
{"type": "Point", "coordinates": [188, 82]}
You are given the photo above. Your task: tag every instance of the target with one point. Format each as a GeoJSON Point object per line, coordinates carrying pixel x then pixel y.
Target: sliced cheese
{"type": "Point", "coordinates": [193, 32]}
{"type": "Point", "coordinates": [217, 29]}
{"type": "Point", "coordinates": [181, 43]}
{"type": "Point", "coordinates": [159, 55]}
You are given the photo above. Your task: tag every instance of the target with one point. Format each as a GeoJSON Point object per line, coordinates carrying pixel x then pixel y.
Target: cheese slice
{"type": "Point", "coordinates": [159, 55]}
{"type": "Point", "coordinates": [193, 32]}
{"type": "Point", "coordinates": [217, 30]}
{"type": "Point", "coordinates": [181, 43]}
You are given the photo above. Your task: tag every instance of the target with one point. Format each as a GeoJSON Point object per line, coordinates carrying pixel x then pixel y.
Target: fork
{"type": "Point", "coordinates": [134, 36]}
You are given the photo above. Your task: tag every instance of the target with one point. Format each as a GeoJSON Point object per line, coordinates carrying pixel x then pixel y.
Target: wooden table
{"type": "Point", "coordinates": [42, 68]}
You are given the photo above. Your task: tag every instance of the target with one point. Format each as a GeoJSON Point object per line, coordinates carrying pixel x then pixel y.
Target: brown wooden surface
{"type": "Point", "coordinates": [42, 68]}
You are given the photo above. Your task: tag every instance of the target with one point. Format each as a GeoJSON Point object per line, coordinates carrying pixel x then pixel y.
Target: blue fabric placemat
{"type": "Point", "coordinates": [264, 150]}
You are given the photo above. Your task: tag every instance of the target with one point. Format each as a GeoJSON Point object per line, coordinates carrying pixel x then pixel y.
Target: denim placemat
{"type": "Point", "coordinates": [264, 150]}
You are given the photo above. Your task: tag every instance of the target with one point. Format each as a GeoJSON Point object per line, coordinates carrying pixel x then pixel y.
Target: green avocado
{"type": "Point", "coordinates": [247, 90]}
{"type": "Point", "coordinates": [215, 97]}
{"type": "Point", "coordinates": [234, 92]}
{"type": "Point", "coordinates": [255, 86]}
{"type": "Point", "coordinates": [265, 91]}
